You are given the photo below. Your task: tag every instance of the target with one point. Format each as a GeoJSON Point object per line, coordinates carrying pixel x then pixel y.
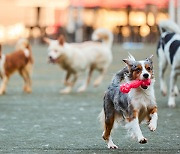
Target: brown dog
{"type": "Point", "coordinates": [20, 60]}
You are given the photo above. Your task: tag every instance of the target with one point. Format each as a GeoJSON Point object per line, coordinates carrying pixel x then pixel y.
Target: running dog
{"type": "Point", "coordinates": [133, 107]}
{"type": "Point", "coordinates": [21, 61]}
{"type": "Point", "coordinates": [168, 52]}
{"type": "Point", "coordinates": [78, 57]}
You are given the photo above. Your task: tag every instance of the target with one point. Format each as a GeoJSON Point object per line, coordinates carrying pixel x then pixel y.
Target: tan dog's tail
{"type": "Point", "coordinates": [104, 35]}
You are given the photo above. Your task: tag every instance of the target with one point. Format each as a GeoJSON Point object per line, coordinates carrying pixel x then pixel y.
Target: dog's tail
{"type": "Point", "coordinates": [169, 26]}
{"type": "Point", "coordinates": [101, 118]}
{"type": "Point", "coordinates": [104, 35]}
{"type": "Point", "coordinates": [23, 44]}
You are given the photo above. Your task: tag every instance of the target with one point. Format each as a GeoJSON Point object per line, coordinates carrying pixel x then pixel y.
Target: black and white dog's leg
{"type": "Point", "coordinates": [162, 68]}
{"type": "Point", "coordinates": [172, 94]}
{"type": "Point", "coordinates": [176, 90]}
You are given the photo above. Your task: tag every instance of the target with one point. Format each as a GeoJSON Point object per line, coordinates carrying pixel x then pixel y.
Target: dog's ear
{"type": "Point", "coordinates": [149, 59]}
{"type": "Point", "coordinates": [61, 40]}
{"type": "Point", "coordinates": [46, 40]}
{"type": "Point", "coordinates": [128, 62]}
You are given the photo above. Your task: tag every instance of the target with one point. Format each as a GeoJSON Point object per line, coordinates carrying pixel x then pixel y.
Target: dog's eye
{"type": "Point", "coordinates": [138, 70]}
{"type": "Point", "coordinates": [148, 68]}
{"type": "Point", "coordinates": [55, 51]}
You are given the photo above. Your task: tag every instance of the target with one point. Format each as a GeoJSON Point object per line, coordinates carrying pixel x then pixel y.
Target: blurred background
{"type": "Point", "coordinates": [129, 20]}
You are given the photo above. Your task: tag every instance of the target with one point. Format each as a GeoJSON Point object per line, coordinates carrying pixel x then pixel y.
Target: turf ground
{"type": "Point", "coordinates": [49, 122]}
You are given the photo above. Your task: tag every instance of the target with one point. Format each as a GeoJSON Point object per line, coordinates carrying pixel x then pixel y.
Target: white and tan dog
{"type": "Point", "coordinates": [20, 60]}
{"type": "Point", "coordinates": [78, 57]}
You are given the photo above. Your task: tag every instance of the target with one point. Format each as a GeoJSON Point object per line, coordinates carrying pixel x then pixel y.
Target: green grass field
{"type": "Point", "coordinates": [49, 122]}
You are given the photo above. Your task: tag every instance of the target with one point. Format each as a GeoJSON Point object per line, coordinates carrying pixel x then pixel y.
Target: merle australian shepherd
{"type": "Point", "coordinates": [168, 51]}
{"type": "Point", "coordinates": [132, 108]}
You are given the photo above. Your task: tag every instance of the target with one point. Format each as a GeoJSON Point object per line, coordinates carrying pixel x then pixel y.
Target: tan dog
{"type": "Point", "coordinates": [79, 57]}
{"type": "Point", "coordinates": [20, 60]}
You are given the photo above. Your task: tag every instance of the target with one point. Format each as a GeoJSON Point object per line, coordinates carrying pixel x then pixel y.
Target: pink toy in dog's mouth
{"type": "Point", "coordinates": [126, 87]}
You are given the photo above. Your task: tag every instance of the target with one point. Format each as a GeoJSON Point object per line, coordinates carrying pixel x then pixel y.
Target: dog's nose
{"type": "Point", "coordinates": [50, 57]}
{"type": "Point", "coordinates": [145, 75]}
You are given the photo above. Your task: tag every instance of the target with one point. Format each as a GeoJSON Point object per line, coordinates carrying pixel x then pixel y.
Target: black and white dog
{"type": "Point", "coordinates": [168, 51]}
{"type": "Point", "coordinates": [132, 108]}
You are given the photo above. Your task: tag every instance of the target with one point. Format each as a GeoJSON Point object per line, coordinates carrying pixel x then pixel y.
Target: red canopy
{"type": "Point", "coordinates": [119, 3]}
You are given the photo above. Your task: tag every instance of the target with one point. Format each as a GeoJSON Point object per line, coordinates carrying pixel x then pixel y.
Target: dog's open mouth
{"type": "Point", "coordinates": [144, 87]}
{"type": "Point", "coordinates": [52, 60]}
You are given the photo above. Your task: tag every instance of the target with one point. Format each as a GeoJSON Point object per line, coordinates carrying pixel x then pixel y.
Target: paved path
{"type": "Point", "coordinates": [48, 122]}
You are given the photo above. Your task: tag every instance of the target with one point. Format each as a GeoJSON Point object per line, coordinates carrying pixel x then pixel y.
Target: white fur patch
{"type": "Point", "coordinates": [110, 143]}
{"type": "Point", "coordinates": [134, 129]}
{"type": "Point", "coordinates": [2, 61]}
{"type": "Point", "coordinates": [144, 71]}
{"type": "Point", "coordinates": [153, 122]}
{"type": "Point", "coordinates": [26, 52]}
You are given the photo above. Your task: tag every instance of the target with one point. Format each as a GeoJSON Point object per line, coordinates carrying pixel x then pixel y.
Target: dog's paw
{"type": "Point", "coordinates": [164, 93]}
{"type": "Point", "coordinates": [27, 89]}
{"type": "Point", "coordinates": [163, 88]}
{"type": "Point", "coordinates": [97, 82]}
{"type": "Point", "coordinates": [176, 91]}
{"type": "Point", "coordinates": [152, 127]}
{"type": "Point", "coordinates": [81, 89]}
{"type": "Point", "coordinates": [172, 105]}
{"type": "Point", "coordinates": [171, 102]}
{"type": "Point", "coordinates": [112, 146]}
{"type": "Point", "coordinates": [66, 90]}
{"type": "Point", "coordinates": [143, 141]}
{"type": "Point", "coordinates": [2, 92]}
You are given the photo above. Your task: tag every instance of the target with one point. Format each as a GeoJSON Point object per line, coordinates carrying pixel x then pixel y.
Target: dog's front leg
{"type": "Point", "coordinates": [68, 89]}
{"type": "Point", "coordinates": [172, 94]}
{"type": "Point", "coordinates": [3, 85]}
{"type": "Point", "coordinates": [162, 68]}
{"type": "Point", "coordinates": [134, 128]}
{"type": "Point", "coordinates": [99, 79]}
{"type": "Point", "coordinates": [153, 119]}
{"type": "Point", "coordinates": [87, 81]}
{"type": "Point", "coordinates": [66, 82]}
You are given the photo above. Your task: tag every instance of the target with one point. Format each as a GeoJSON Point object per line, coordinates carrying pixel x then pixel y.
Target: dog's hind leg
{"type": "Point", "coordinates": [3, 84]}
{"type": "Point", "coordinates": [25, 73]}
{"type": "Point", "coordinates": [173, 77]}
{"type": "Point", "coordinates": [109, 114]}
{"type": "Point", "coordinates": [176, 90]}
{"type": "Point", "coordinates": [66, 80]}
{"type": "Point", "coordinates": [84, 86]}
{"type": "Point", "coordinates": [98, 81]}
{"type": "Point", "coordinates": [108, 125]}
{"type": "Point", "coordinates": [162, 68]}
